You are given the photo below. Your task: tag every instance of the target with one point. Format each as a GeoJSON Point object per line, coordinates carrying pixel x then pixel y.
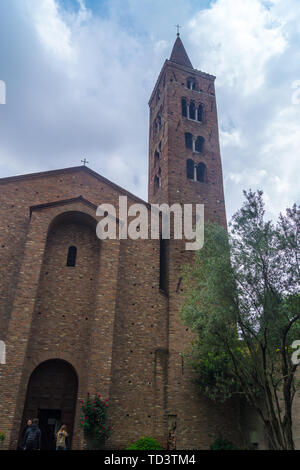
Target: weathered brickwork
{"type": "Point", "coordinates": [197, 421]}
{"type": "Point", "coordinates": [105, 316]}
{"type": "Point", "coordinates": [111, 323]}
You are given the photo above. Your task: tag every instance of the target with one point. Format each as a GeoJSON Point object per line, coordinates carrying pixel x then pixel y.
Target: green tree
{"type": "Point", "coordinates": [242, 301]}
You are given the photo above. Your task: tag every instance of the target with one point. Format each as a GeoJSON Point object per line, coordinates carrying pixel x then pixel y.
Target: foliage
{"type": "Point", "coordinates": [94, 419]}
{"type": "Point", "coordinates": [222, 444]}
{"type": "Point", "coordinates": [242, 300]}
{"type": "Point", "coordinates": [2, 436]}
{"type": "Point", "coordinates": [145, 443]}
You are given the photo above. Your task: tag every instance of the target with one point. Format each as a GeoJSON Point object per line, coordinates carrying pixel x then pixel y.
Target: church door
{"type": "Point", "coordinates": [51, 397]}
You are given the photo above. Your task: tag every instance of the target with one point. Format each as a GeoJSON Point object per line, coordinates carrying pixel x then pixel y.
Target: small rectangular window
{"type": "Point", "coordinates": [189, 140]}
{"type": "Point", "coordinates": [163, 265]}
{"type": "Point", "coordinates": [71, 259]}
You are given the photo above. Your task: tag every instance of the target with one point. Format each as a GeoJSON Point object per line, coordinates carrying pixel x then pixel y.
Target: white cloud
{"type": "Point", "coordinates": [230, 138]}
{"type": "Point", "coordinates": [253, 49]}
{"type": "Point", "coordinates": [51, 29]}
{"type": "Point", "coordinates": [281, 156]}
{"type": "Point", "coordinates": [78, 85]}
{"type": "Point", "coordinates": [236, 39]}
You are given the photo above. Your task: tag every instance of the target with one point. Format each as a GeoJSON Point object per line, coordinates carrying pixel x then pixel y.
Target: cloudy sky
{"type": "Point", "coordinates": [79, 74]}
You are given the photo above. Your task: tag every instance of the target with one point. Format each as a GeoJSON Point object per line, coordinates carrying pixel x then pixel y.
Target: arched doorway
{"type": "Point", "coordinates": [51, 397]}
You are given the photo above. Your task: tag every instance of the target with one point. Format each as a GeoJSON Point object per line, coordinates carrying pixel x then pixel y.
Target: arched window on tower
{"type": "Point", "coordinates": [189, 140]}
{"type": "Point", "coordinates": [190, 169]}
{"type": "Point", "coordinates": [157, 181]}
{"type": "Point", "coordinates": [159, 121]}
{"type": "Point", "coordinates": [183, 107]}
{"type": "Point", "coordinates": [156, 157]}
{"type": "Point", "coordinates": [191, 83]}
{"type": "Point", "coordinates": [192, 110]}
{"type": "Point", "coordinates": [71, 258]}
{"type": "Point", "coordinates": [201, 173]}
{"type": "Point", "coordinates": [200, 113]}
{"type": "Point", "coordinates": [159, 176]}
{"type": "Point", "coordinates": [158, 95]}
{"type": "Point", "coordinates": [199, 144]}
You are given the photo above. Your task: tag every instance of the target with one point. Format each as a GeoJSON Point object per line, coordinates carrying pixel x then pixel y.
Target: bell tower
{"type": "Point", "coordinates": [185, 168]}
{"type": "Point", "coordinates": [184, 152]}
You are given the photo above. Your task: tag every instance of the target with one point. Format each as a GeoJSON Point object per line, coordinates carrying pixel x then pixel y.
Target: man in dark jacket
{"type": "Point", "coordinates": [29, 423]}
{"type": "Point", "coordinates": [32, 438]}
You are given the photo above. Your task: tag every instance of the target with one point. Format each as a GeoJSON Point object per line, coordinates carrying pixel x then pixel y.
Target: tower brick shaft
{"type": "Point", "coordinates": [185, 168]}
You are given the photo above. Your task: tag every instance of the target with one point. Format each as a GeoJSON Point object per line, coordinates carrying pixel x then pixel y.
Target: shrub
{"type": "Point", "coordinates": [145, 443]}
{"type": "Point", "coordinates": [2, 436]}
{"type": "Point", "coordinates": [94, 419]}
{"type": "Point", "coordinates": [223, 444]}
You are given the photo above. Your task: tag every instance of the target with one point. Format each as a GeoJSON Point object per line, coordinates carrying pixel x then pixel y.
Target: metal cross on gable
{"type": "Point", "coordinates": [84, 161]}
{"type": "Point", "coordinates": [178, 27]}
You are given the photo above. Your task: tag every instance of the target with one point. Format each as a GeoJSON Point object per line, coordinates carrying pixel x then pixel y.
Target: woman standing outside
{"type": "Point", "coordinates": [62, 438]}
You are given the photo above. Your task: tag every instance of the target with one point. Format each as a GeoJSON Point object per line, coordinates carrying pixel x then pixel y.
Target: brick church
{"type": "Point", "coordinates": [79, 314]}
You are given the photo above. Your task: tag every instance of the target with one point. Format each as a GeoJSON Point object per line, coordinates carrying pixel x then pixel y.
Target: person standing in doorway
{"type": "Point", "coordinates": [28, 424]}
{"type": "Point", "coordinates": [62, 438]}
{"type": "Point", "coordinates": [32, 438]}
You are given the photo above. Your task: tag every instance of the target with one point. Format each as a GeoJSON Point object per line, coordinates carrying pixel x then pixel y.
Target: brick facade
{"type": "Point", "coordinates": [107, 320]}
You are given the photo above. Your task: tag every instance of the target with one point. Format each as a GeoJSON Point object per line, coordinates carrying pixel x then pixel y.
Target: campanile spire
{"type": "Point", "coordinates": [179, 55]}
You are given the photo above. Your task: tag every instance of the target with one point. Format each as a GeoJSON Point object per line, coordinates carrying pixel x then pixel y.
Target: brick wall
{"type": "Point", "coordinates": [194, 421]}
{"type": "Point", "coordinates": [106, 316]}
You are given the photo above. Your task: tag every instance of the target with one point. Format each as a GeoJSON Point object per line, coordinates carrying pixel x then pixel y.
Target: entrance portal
{"type": "Point", "coordinates": [51, 397]}
{"type": "Point", "coordinates": [49, 423]}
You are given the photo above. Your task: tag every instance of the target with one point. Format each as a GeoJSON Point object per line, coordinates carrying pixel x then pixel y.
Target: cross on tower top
{"type": "Point", "coordinates": [84, 161]}
{"type": "Point", "coordinates": [178, 27]}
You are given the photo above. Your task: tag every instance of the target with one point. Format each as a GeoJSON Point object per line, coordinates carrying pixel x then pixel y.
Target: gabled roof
{"type": "Point", "coordinates": [179, 55]}
{"type": "Point", "coordinates": [74, 169]}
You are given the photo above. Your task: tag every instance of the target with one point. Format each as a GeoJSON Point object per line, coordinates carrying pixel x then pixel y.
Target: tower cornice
{"type": "Point", "coordinates": [189, 70]}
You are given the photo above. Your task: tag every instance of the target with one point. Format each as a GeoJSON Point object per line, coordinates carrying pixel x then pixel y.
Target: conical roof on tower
{"type": "Point", "coordinates": [179, 55]}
